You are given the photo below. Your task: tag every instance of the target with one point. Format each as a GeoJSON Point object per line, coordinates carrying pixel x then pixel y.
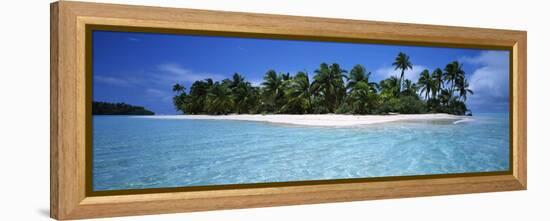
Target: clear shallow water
{"type": "Point", "coordinates": [138, 153]}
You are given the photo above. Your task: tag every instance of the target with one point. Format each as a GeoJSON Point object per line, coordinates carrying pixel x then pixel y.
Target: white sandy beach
{"type": "Point", "coordinates": [332, 120]}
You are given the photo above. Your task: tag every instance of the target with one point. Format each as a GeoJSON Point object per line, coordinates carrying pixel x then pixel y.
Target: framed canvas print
{"type": "Point", "coordinates": [160, 110]}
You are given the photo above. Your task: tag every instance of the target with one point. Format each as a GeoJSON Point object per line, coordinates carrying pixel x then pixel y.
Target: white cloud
{"type": "Point", "coordinates": [163, 95]}
{"type": "Point", "coordinates": [256, 82]}
{"type": "Point", "coordinates": [490, 82]}
{"type": "Point", "coordinates": [166, 75]}
{"type": "Point", "coordinates": [174, 73]}
{"type": "Point", "coordinates": [386, 72]}
{"type": "Point", "coordinates": [116, 81]}
{"type": "Point", "coordinates": [488, 58]}
{"type": "Point", "coordinates": [156, 92]}
{"type": "Point", "coordinates": [134, 39]}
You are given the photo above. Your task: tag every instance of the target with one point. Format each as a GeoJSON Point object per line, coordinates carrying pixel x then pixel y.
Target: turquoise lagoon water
{"type": "Point", "coordinates": [139, 153]}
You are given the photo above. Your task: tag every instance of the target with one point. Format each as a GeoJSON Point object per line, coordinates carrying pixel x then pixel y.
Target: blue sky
{"type": "Point", "coordinates": [140, 68]}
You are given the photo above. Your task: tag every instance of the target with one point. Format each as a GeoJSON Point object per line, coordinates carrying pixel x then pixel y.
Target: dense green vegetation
{"type": "Point", "coordinates": [332, 89]}
{"type": "Point", "coordinates": [105, 108]}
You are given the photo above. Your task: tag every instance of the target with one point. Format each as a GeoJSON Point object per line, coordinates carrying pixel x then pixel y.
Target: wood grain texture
{"type": "Point", "coordinates": [68, 107]}
{"type": "Point", "coordinates": [521, 114]}
{"type": "Point", "coordinates": [54, 127]}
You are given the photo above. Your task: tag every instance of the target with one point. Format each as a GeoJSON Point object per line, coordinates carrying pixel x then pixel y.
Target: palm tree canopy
{"type": "Point", "coordinates": [409, 88]}
{"type": "Point", "coordinates": [178, 88]}
{"type": "Point", "coordinates": [445, 96]}
{"type": "Point", "coordinates": [237, 80]}
{"type": "Point", "coordinates": [301, 81]}
{"type": "Point", "coordinates": [209, 81]}
{"type": "Point", "coordinates": [426, 83]}
{"type": "Point", "coordinates": [286, 76]}
{"type": "Point", "coordinates": [463, 88]}
{"type": "Point", "coordinates": [362, 97]}
{"type": "Point", "coordinates": [299, 94]}
{"type": "Point", "coordinates": [219, 99]}
{"type": "Point", "coordinates": [328, 84]}
{"type": "Point", "coordinates": [330, 90]}
{"type": "Point", "coordinates": [402, 62]}
{"type": "Point", "coordinates": [389, 87]}
{"type": "Point", "coordinates": [437, 77]}
{"type": "Point", "coordinates": [357, 74]}
{"type": "Point", "coordinates": [272, 81]}
{"type": "Point", "coordinates": [453, 71]}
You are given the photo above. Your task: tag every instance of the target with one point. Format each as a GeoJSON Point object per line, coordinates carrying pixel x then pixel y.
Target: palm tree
{"type": "Point", "coordinates": [245, 98]}
{"type": "Point", "coordinates": [445, 96]}
{"type": "Point", "coordinates": [299, 94]}
{"type": "Point", "coordinates": [403, 63]}
{"type": "Point", "coordinates": [389, 87]}
{"type": "Point", "coordinates": [437, 78]}
{"type": "Point", "coordinates": [463, 88]}
{"type": "Point", "coordinates": [178, 88]}
{"type": "Point", "coordinates": [179, 99]}
{"type": "Point", "coordinates": [426, 84]}
{"type": "Point", "coordinates": [330, 90]}
{"type": "Point", "coordinates": [236, 81]}
{"type": "Point", "coordinates": [329, 85]}
{"type": "Point", "coordinates": [209, 82]}
{"type": "Point", "coordinates": [286, 77]}
{"type": "Point", "coordinates": [197, 96]}
{"type": "Point", "coordinates": [359, 74]}
{"type": "Point", "coordinates": [362, 97]}
{"type": "Point", "coordinates": [338, 79]}
{"type": "Point", "coordinates": [244, 95]}
{"type": "Point", "coordinates": [409, 88]}
{"type": "Point", "coordinates": [273, 88]}
{"type": "Point", "coordinates": [453, 71]}
{"type": "Point", "coordinates": [219, 100]}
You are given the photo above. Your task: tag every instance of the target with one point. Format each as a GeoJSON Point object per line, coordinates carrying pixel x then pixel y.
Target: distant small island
{"type": "Point", "coordinates": [106, 108]}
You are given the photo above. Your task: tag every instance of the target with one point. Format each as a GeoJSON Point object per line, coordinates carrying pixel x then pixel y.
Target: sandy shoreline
{"type": "Point", "coordinates": [333, 120]}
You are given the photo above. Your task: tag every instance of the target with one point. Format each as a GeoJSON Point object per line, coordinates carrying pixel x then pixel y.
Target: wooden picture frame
{"type": "Point", "coordinates": [69, 198]}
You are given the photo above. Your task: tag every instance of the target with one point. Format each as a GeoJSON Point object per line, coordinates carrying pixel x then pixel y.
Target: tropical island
{"type": "Point", "coordinates": [325, 110]}
{"type": "Point", "coordinates": [106, 108]}
{"type": "Point", "coordinates": [331, 90]}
